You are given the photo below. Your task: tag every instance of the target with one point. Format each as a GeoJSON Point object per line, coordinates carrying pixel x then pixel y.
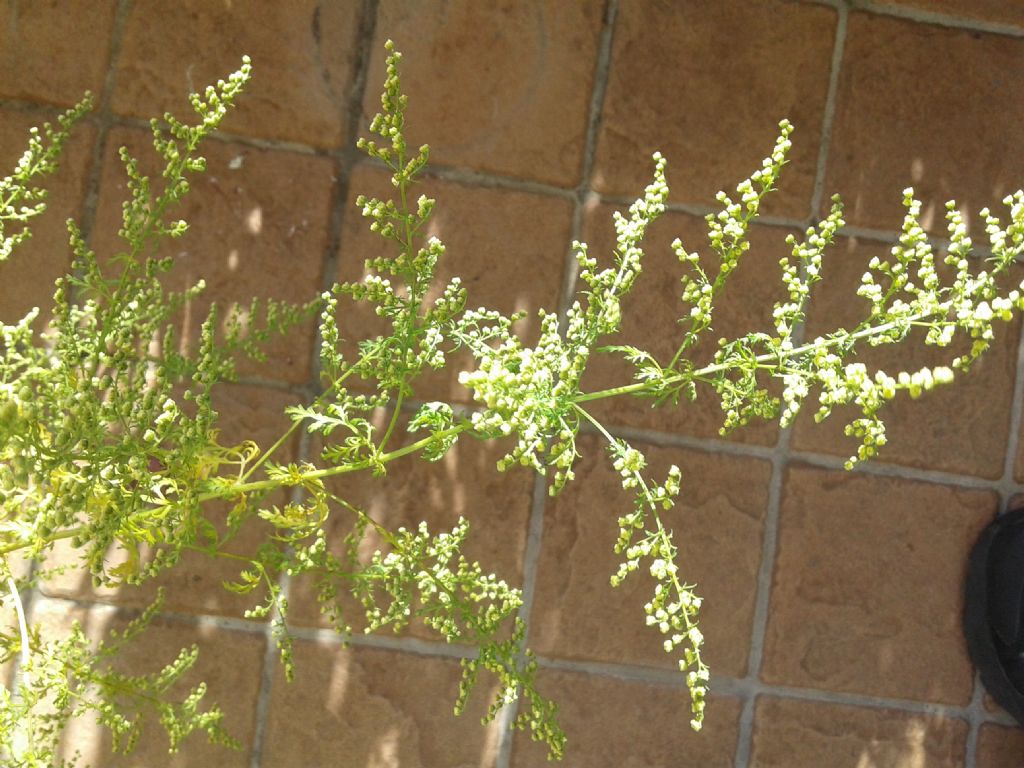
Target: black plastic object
{"type": "Point", "coordinates": [994, 610]}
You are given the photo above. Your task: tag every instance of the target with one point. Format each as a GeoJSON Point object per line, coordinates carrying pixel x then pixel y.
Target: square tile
{"type": "Point", "coordinates": [611, 723]}
{"type": "Point", "coordinates": [707, 86]}
{"type": "Point", "coordinates": [808, 734]}
{"type": "Point", "coordinates": [304, 58]}
{"type": "Point", "coordinates": [867, 591]}
{"type": "Point", "coordinates": [55, 51]}
{"type": "Point", "coordinates": [499, 87]}
{"type": "Point", "coordinates": [370, 707]}
{"type": "Point", "coordinates": [945, 124]}
{"type": "Point", "coordinates": [718, 525]}
{"type": "Point", "coordinates": [999, 747]}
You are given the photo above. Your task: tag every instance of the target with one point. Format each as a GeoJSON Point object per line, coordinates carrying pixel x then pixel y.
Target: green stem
{"type": "Point", "coordinates": [779, 356]}
{"type": "Point", "coordinates": [295, 424]}
{"type": "Point", "coordinates": [394, 420]}
{"type": "Point", "coordinates": [269, 484]}
{"type": "Point", "coordinates": [320, 474]}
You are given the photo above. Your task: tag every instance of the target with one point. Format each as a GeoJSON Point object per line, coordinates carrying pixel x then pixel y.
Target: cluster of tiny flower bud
{"type": "Point", "coordinates": [603, 313]}
{"type": "Point", "coordinates": [523, 395]}
{"type": "Point", "coordinates": [674, 607]}
{"type": "Point", "coordinates": [529, 392]}
{"type": "Point", "coordinates": [727, 234]}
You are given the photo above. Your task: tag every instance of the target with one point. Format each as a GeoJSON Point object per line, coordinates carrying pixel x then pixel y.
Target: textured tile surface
{"type": "Point", "coordinates": [894, 128]}
{"type": "Point", "coordinates": [999, 747]}
{"type": "Point", "coordinates": [714, 115]}
{"type": "Point", "coordinates": [371, 707]}
{"type": "Point", "coordinates": [795, 734]}
{"type": "Point", "coordinates": [717, 527]}
{"type": "Point", "coordinates": [611, 723]}
{"type": "Point", "coordinates": [864, 592]}
{"type": "Point", "coordinates": [53, 52]}
{"type": "Point", "coordinates": [303, 55]}
{"type": "Point", "coordinates": [866, 595]}
{"type": "Point", "coordinates": [463, 484]}
{"type": "Point", "coordinates": [195, 585]}
{"type": "Point", "coordinates": [502, 87]}
{"type": "Point", "coordinates": [482, 230]}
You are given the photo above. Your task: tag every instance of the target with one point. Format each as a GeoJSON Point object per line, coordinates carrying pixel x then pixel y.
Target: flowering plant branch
{"type": "Point", "coordinates": [108, 435]}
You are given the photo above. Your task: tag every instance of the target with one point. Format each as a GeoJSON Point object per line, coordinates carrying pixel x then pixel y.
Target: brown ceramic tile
{"type": "Point", "coordinates": [867, 591]}
{"type": "Point", "coordinates": [54, 52]}
{"type": "Point", "coordinates": [895, 128]}
{"type": "Point", "coordinates": [718, 528]}
{"type": "Point", "coordinates": [959, 428]}
{"type": "Point", "coordinates": [613, 723]}
{"type": "Point", "coordinates": [303, 54]}
{"type": "Point", "coordinates": [258, 227]}
{"type": "Point", "coordinates": [195, 584]}
{"type": "Point", "coordinates": [672, 87]}
{"type": "Point", "coordinates": [990, 704]}
{"type": "Point", "coordinates": [652, 311]}
{"type": "Point", "coordinates": [26, 279]}
{"type": "Point", "coordinates": [463, 484]}
{"type": "Point", "coordinates": [482, 230]}
{"type": "Point", "coordinates": [806, 734]}
{"type": "Point", "coordinates": [371, 707]}
{"type": "Point", "coordinates": [999, 747]}
{"type": "Point", "coordinates": [999, 11]}
{"type": "Point", "coordinates": [498, 87]}
{"type": "Point", "coordinates": [228, 662]}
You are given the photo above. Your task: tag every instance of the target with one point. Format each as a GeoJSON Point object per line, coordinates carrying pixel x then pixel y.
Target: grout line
{"type": "Point", "coordinates": [270, 651]}
{"type": "Point", "coordinates": [104, 120]}
{"type": "Point", "coordinates": [828, 118]}
{"type": "Point", "coordinates": [743, 687]}
{"type": "Point", "coordinates": [938, 19]}
{"type": "Point", "coordinates": [344, 161]}
{"type": "Point", "coordinates": [769, 545]}
{"type": "Point", "coordinates": [778, 455]}
{"type": "Point", "coordinates": [631, 673]}
{"type": "Point", "coordinates": [781, 456]}
{"type": "Point", "coordinates": [975, 717]}
{"type": "Point", "coordinates": [582, 196]}
{"type": "Point", "coordinates": [875, 467]}
{"type": "Point", "coordinates": [470, 177]}
{"type": "Point", "coordinates": [473, 178]}
{"type": "Point", "coordinates": [507, 716]}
